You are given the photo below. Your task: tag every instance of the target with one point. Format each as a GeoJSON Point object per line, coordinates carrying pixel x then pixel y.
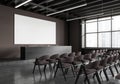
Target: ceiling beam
{"type": "Point", "coordinates": [10, 2]}
{"type": "Point", "coordinates": [58, 3]}
{"type": "Point", "coordinates": [109, 10]}
{"type": "Point", "coordinates": [106, 7]}
{"type": "Point", "coordinates": [77, 18]}
{"type": "Point", "coordinates": [43, 7]}
{"type": "Point", "coordinates": [35, 6]}
{"type": "Point", "coordinates": [68, 9]}
{"type": "Point", "coordinates": [46, 1]}
{"type": "Point", "coordinates": [69, 5]}
{"type": "Point", "coordinates": [94, 6]}
{"type": "Point", "coordinates": [61, 2]}
{"type": "Point", "coordinates": [106, 13]}
{"type": "Point", "coordinates": [43, 2]}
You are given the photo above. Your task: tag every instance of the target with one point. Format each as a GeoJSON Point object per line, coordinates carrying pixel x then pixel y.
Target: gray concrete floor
{"type": "Point", "coordinates": [20, 72]}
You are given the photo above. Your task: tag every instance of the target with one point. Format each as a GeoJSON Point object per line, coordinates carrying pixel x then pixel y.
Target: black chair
{"type": "Point", "coordinates": [87, 70]}
{"type": "Point", "coordinates": [104, 66]}
{"type": "Point", "coordinates": [41, 61]}
{"type": "Point", "coordinates": [65, 63]}
{"type": "Point", "coordinates": [53, 60]}
{"type": "Point", "coordinates": [115, 61]}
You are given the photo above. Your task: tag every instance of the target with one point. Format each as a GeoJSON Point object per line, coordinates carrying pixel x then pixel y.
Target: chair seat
{"type": "Point", "coordinates": [90, 71]}
{"type": "Point", "coordinates": [67, 60]}
{"type": "Point", "coordinates": [77, 62]}
{"type": "Point", "coordinates": [52, 60]}
{"type": "Point", "coordinates": [41, 62]}
{"type": "Point", "coordinates": [118, 76]}
{"type": "Point", "coordinates": [86, 62]}
{"type": "Point", "coordinates": [66, 65]}
{"type": "Point", "coordinates": [99, 67]}
{"type": "Point", "coordinates": [81, 61]}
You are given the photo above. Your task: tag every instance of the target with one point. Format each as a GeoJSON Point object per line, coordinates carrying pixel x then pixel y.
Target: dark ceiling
{"type": "Point", "coordinates": [45, 7]}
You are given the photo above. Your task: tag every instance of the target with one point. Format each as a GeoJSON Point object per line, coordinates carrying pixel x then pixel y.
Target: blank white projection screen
{"type": "Point", "coordinates": [28, 30]}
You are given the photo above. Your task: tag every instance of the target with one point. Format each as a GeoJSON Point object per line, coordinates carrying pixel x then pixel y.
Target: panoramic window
{"type": "Point", "coordinates": [101, 32]}
{"type": "Point", "coordinates": [91, 26]}
{"type": "Point", "coordinates": [104, 39]}
{"type": "Point", "coordinates": [104, 24]}
{"type": "Point", "coordinates": [91, 40]}
{"type": "Point", "coordinates": [115, 39]}
{"type": "Point", "coordinates": [116, 23]}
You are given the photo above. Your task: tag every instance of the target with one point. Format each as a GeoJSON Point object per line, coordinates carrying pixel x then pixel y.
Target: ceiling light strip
{"type": "Point", "coordinates": [84, 17]}
{"type": "Point", "coordinates": [22, 3]}
{"type": "Point", "coordinates": [66, 9]}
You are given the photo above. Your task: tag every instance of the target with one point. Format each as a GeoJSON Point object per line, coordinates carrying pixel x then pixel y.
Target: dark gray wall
{"type": "Point", "coordinates": [75, 34]}
{"type": "Point", "coordinates": [7, 48]}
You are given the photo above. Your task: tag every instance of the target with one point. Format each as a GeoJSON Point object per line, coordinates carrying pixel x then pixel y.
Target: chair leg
{"type": "Point", "coordinates": [44, 69]}
{"type": "Point", "coordinates": [116, 68]}
{"type": "Point", "coordinates": [62, 71]}
{"type": "Point", "coordinates": [98, 78]}
{"type": "Point", "coordinates": [104, 70]}
{"type": "Point", "coordinates": [80, 71]}
{"type": "Point", "coordinates": [39, 70]}
{"type": "Point", "coordinates": [110, 68]}
{"type": "Point", "coordinates": [66, 70]}
{"type": "Point", "coordinates": [56, 70]}
{"type": "Point", "coordinates": [87, 79]}
{"type": "Point", "coordinates": [119, 64]}
{"type": "Point", "coordinates": [101, 75]}
{"type": "Point", "coordinates": [50, 67]}
{"type": "Point", "coordinates": [34, 68]}
{"type": "Point", "coordinates": [73, 71]}
{"type": "Point", "coordinates": [86, 75]}
{"type": "Point", "coordinates": [54, 66]}
{"type": "Point", "coordinates": [94, 76]}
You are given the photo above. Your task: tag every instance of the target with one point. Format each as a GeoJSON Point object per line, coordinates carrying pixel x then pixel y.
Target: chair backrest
{"type": "Point", "coordinates": [69, 59]}
{"type": "Point", "coordinates": [115, 57]}
{"type": "Point", "coordinates": [78, 53]}
{"type": "Point", "coordinates": [93, 65]}
{"type": "Point", "coordinates": [97, 51]}
{"type": "Point", "coordinates": [94, 55]}
{"type": "Point", "coordinates": [44, 57]}
{"type": "Point", "coordinates": [79, 58]}
{"type": "Point", "coordinates": [55, 56]}
{"type": "Point", "coordinates": [118, 55]}
{"type": "Point", "coordinates": [64, 58]}
{"type": "Point", "coordinates": [110, 60]}
{"type": "Point", "coordinates": [93, 51]}
{"type": "Point", "coordinates": [64, 55]}
{"type": "Point", "coordinates": [41, 59]}
{"type": "Point", "coordinates": [103, 62]}
{"type": "Point", "coordinates": [87, 56]}
{"type": "Point", "coordinates": [96, 64]}
{"type": "Point", "coordinates": [71, 54]}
